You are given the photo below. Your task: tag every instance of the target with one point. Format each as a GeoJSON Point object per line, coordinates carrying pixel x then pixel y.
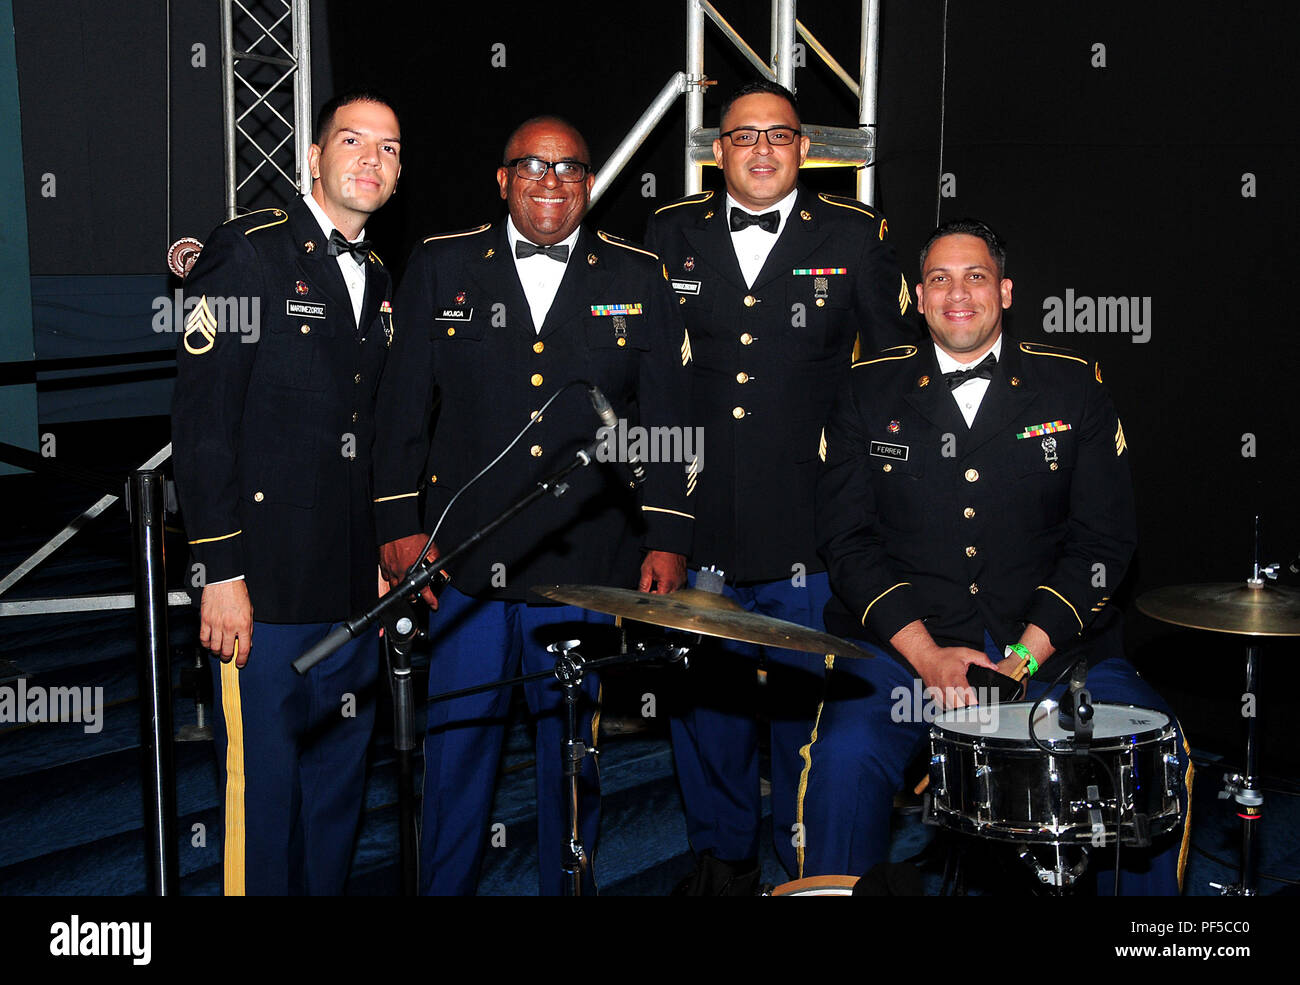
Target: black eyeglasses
{"type": "Point", "coordinates": [748, 136]}
{"type": "Point", "coordinates": [534, 169]}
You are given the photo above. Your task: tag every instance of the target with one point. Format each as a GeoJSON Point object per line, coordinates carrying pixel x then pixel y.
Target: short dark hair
{"type": "Point", "coordinates": [969, 227]}
{"type": "Point", "coordinates": [325, 119]}
{"type": "Point", "coordinates": [756, 87]}
{"type": "Point", "coordinates": [551, 118]}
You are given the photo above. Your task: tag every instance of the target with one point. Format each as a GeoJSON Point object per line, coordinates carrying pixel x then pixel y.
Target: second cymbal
{"type": "Point", "coordinates": [1227, 607]}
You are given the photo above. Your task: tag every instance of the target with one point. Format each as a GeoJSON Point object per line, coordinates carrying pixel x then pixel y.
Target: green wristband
{"type": "Point", "coordinates": [1020, 650]}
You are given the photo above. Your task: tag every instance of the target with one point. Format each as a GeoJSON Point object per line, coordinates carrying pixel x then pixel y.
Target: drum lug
{"type": "Point", "coordinates": [1171, 774]}
{"type": "Point", "coordinates": [984, 779]}
{"type": "Point", "coordinates": [939, 773]}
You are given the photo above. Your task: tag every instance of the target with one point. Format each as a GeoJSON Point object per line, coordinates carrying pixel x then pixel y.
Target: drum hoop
{"type": "Point", "coordinates": [1110, 743]}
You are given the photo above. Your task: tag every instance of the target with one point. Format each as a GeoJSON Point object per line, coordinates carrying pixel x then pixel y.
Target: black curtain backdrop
{"type": "Point", "coordinates": [1138, 151]}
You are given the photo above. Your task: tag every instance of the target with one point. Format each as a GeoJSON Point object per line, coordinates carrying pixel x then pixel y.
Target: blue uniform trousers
{"type": "Point", "coordinates": [715, 726]}
{"type": "Point", "coordinates": [858, 754]}
{"type": "Point", "coordinates": [475, 642]}
{"type": "Point", "coordinates": [292, 755]}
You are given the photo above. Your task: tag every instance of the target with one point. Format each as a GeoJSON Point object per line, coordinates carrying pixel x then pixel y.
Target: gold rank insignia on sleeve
{"type": "Point", "coordinates": [1120, 443]}
{"type": "Point", "coordinates": [692, 475]}
{"type": "Point", "coordinates": [821, 448]}
{"type": "Point", "coordinates": [686, 347]}
{"type": "Point", "coordinates": [904, 295]}
{"type": "Point", "coordinates": [200, 323]}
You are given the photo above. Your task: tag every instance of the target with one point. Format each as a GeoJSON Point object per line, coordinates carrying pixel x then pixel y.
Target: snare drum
{"type": "Point", "coordinates": [988, 778]}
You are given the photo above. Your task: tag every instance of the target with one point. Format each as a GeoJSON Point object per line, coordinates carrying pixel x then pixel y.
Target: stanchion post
{"type": "Point", "coordinates": [145, 501]}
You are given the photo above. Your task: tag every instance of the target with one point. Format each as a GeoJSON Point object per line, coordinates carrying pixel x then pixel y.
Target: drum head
{"type": "Point", "coordinates": [1009, 722]}
{"type": "Point", "coordinates": [818, 886]}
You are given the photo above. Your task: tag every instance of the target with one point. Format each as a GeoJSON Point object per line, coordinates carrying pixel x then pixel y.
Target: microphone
{"type": "Point", "coordinates": [1075, 712]}
{"type": "Point", "coordinates": [610, 420]}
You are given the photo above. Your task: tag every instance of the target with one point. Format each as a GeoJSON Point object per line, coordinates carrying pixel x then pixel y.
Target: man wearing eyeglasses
{"type": "Point", "coordinates": [776, 284]}
{"type": "Point", "coordinates": [498, 319]}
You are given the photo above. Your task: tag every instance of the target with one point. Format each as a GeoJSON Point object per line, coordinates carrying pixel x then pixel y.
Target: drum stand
{"type": "Point", "coordinates": [1062, 873]}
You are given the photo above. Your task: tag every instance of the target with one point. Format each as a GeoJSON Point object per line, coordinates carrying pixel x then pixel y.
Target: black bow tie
{"type": "Point", "coordinates": [768, 221]}
{"type": "Point", "coordinates": [984, 370]}
{"type": "Point", "coordinates": [339, 245]}
{"type": "Point", "coordinates": [525, 249]}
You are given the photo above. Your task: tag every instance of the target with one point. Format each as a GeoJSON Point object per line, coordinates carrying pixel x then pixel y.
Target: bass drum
{"type": "Point", "coordinates": [988, 778]}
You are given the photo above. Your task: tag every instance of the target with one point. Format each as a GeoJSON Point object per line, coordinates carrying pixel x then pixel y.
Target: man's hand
{"type": "Point", "coordinates": [946, 668]}
{"type": "Point", "coordinates": [662, 572]}
{"type": "Point", "coordinates": [226, 615]}
{"type": "Point", "coordinates": [942, 667]}
{"type": "Point", "coordinates": [396, 558]}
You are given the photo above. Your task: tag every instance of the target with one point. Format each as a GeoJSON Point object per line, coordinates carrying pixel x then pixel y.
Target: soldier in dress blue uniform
{"type": "Point", "coordinates": [777, 285]}
{"type": "Point", "coordinates": [975, 504]}
{"type": "Point", "coordinates": [497, 319]}
{"type": "Point", "coordinates": [272, 425]}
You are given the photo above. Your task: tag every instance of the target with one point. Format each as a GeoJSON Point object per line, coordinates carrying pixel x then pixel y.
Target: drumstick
{"type": "Point", "coordinates": [1018, 674]}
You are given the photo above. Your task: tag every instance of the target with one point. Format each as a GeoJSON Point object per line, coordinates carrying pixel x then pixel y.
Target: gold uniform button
{"type": "Point", "coordinates": [357, 378]}
{"type": "Point", "coordinates": [258, 496]}
{"type": "Point", "coordinates": [737, 412]}
{"type": "Point", "coordinates": [970, 551]}
{"type": "Point", "coordinates": [433, 480]}
{"type": "Point", "coordinates": [622, 342]}
{"type": "Point", "coordinates": [305, 329]}
{"type": "Point", "coordinates": [534, 415]}
{"type": "Point", "coordinates": [536, 379]}
{"type": "Point", "coordinates": [972, 475]}
{"type": "Point", "coordinates": [451, 330]}
{"type": "Point", "coordinates": [742, 377]}
{"type": "Point", "coordinates": [968, 512]}
{"type": "Point", "coordinates": [535, 451]}
{"type": "Point", "coordinates": [746, 339]}
{"type": "Point", "coordinates": [750, 300]}
{"type": "Point", "coordinates": [1054, 466]}
{"type": "Point", "coordinates": [821, 302]}
{"type": "Point", "coordinates": [886, 467]}
{"type": "Point", "coordinates": [974, 588]}
{"type": "Point", "coordinates": [681, 300]}
{"type": "Point", "coordinates": [538, 346]}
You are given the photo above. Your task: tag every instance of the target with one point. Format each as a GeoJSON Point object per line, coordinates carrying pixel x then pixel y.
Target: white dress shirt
{"type": "Point", "coordinates": [969, 395]}
{"type": "Point", "coordinates": [539, 275]}
{"type": "Point", "coordinates": [354, 274]}
{"type": "Point", "coordinates": [752, 244]}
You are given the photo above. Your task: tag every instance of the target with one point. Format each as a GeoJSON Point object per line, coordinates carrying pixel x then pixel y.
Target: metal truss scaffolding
{"type": "Point", "coordinates": [266, 91]}
{"type": "Point", "coordinates": [831, 146]}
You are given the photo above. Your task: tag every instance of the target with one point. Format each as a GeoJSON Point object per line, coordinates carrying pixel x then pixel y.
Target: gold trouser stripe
{"type": "Point", "coordinates": [879, 597]}
{"type": "Point", "coordinates": [1187, 821]}
{"type": "Point", "coordinates": [212, 540]}
{"type": "Point", "coordinates": [385, 499]}
{"type": "Point", "coordinates": [233, 854]}
{"type": "Point", "coordinates": [805, 753]}
{"type": "Point", "coordinates": [1049, 588]}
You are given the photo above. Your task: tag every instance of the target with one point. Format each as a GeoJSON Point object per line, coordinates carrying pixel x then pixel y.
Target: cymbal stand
{"type": "Point", "coordinates": [570, 670]}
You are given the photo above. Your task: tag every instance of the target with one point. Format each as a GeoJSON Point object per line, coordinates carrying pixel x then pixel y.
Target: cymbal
{"type": "Point", "coordinates": [701, 612]}
{"type": "Point", "coordinates": [1227, 607]}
